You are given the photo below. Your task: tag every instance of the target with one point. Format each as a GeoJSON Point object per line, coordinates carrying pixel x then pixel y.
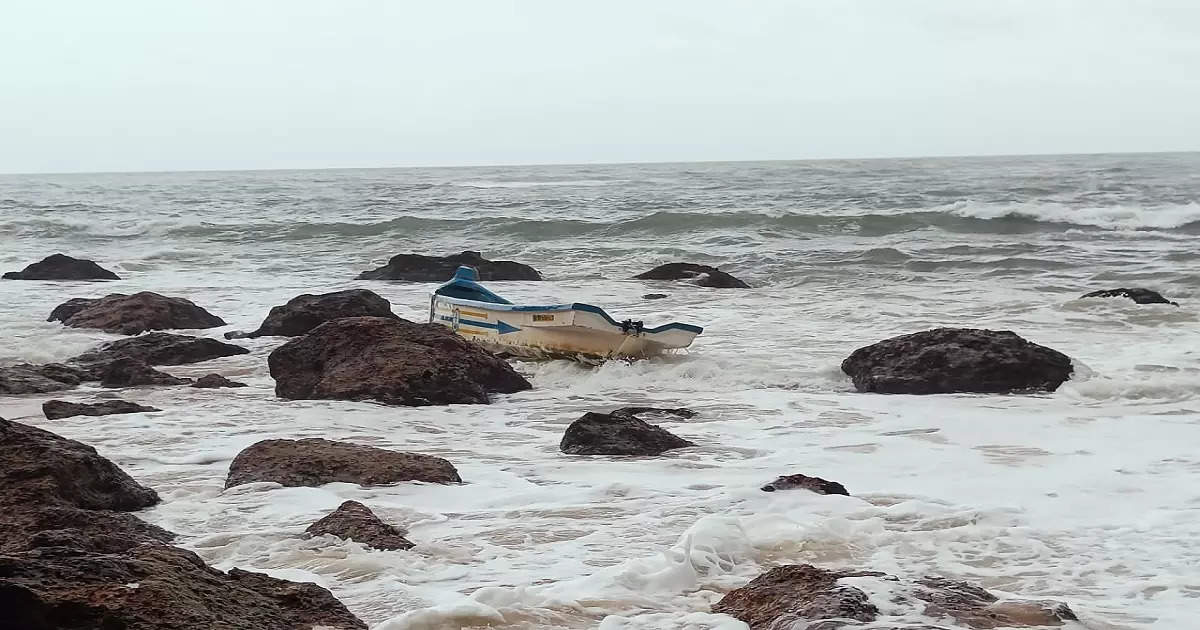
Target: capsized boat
{"type": "Point", "coordinates": [576, 331]}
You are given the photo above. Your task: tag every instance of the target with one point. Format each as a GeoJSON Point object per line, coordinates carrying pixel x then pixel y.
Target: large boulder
{"type": "Point", "coordinates": [160, 348]}
{"type": "Point", "coordinates": [417, 268]}
{"type": "Point", "coordinates": [39, 379]}
{"type": "Point", "coordinates": [132, 314]}
{"type": "Point", "coordinates": [155, 587]}
{"type": "Point", "coordinates": [305, 312]}
{"type": "Point", "coordinates": [62, 267]}
{"type": "Point", "coordinates": [129, 372]}
{"type": "Point", "coordinates": [804, 596]}
{"type": "Point", "coordinates": [619, 433]}
{"type": "Point", "coordinates": [58, 409]}
{"type": "Point", "coordinates": [804, 482]}
{"type": "Point", "coordinates": [316, 461]}
{"type": "Point", "coordinates": [1139, 296]}
{"type": "Point", "coordinates": [947, 360]}
{"type": "Point", "coordinates": [392, 361]}
{"type": "Point", "coordinates": [702, 275]}
{"type": "Point", "coordinates": [355, 521]}
{"type": "Point", "coordinates": [214, 381]}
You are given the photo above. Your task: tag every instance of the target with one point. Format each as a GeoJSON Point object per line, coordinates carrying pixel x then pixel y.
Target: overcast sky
{"type": "Point", "coordinates": [165, 85]}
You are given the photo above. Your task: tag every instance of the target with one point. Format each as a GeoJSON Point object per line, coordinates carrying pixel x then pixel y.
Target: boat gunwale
{"type": "Point", "coordinates": [575, 306]}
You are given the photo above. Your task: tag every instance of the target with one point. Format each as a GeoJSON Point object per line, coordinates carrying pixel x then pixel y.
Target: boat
{"type": "Point", "coordinates": [575, 331]}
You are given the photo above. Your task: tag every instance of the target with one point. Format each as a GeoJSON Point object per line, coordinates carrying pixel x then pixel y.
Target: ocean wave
{"type": "Point", "coordinates": [1169, 217]}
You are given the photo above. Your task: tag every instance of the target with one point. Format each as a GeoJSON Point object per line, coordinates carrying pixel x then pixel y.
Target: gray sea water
{"type": "Point", "coordinates": [1087, 495]}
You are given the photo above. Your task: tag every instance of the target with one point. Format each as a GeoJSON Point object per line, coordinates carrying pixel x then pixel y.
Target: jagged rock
{"type": "Point", "coordinates": [213, 381]}
{"type": "Point", "coordinates": [132, 314]}
{"type": "Point", "coordinates": [417, 268]}
{"type": "Point", "coordinates": [155, 587]}
{"type": "Point", "coordinates": [160, 348]}
{"type": "Point", "coordinates": [317, 461]}
{"type": "Point", "coordinates": [1139, 296]}
{"type": "Point", "coordinates": [305, 312]}
{"type": "Point", "coordinates": [804, 596]}
{"type": "Point", "coordinates": [37, 379]}
{"type": "Point", "coordinates": [619, 433]}
{"type": "Point", "coordinates": [62, 267]}
{"type": "Point", "coordinates": [57, 409]}
{"type": "Point", "coordinates": [355, 521]}
{"type": "Point", "coordinates": [702, 275]}
{"type": "Point", "coordinates": [128, 372]}
{"type": "Point", "coordinates": [392, 361]}
{"type": "Point", "coordinates": [947, 360]}
{"type": "Point", "coordinates": [658, 412]}
{"type": "Point", "coordinates": [813, 484]}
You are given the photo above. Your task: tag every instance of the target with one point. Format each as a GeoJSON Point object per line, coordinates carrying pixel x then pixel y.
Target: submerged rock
{"type": "Point", "coordinates": [128, 372]}
{"type": "Point", "coordinates": [316, 461]}
{"type": "Point", "coordinates": [37, 379]}
{"type": "Point", "coordinates": [62, 267]}
{"type": "Point", "coordinates": [57, 409]}
{"type": "Point", "coordinates": [655, 296]}
{"type": "Point", "coordinates": [417, 268]}
{"type": "Point", "coordinates": [619, 433]}
{"type": "Point", "coordinates": [1139, 296]}
{"type": "Point", "coordinates": [702, 275]}
{"type": "Point", "coordinates": [213, 381]}
{"type": "Point", "coordinates": [305, 312]}
{"type": "Point", "coordinates": [392, 361]}
{"type": "Point", "coordinates": [947, 360]}
{"type": "Point", "coordinates": [804, 596]}
{"type": "Point", "coordinates": [160, 348]}
{"type": "Point", "coordinates": [132, 314]}
{"type": "Point", "coordinates": [813, 484]}
{"type": "Point", "coordinates": [355, 521]}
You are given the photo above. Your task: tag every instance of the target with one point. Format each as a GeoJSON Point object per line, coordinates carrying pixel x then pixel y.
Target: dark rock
{"type": "Point", "coordinates": [160, 348]}
{"type": "Point", "coordinates": [127, 372]}
{"type": "Point", "coordinates": [305, 312]}
{"type": "Point", "coordinates": [702, 275]}
{"type": "Point", "coordinates": [947, 360]}
{"type": "Point", "coordinates": [132, 314]}
{"type": "Point", "coordinates": [796, 595]}
{"type": "Point", "coordinates": [155, 587]}
{"type": "Point", "coordinates": [392, 361]}
{"type": "Point", "coordinates": [655, 412]}
{"type": "Point", "coordinates": [56, 409]}
{"type": "Point", "coordinates": [1139, 296]}
{"type": "Point", "coordinates": [62, 267]}
{"type": "Point", "coordinates": [655, 296]}
{"type": "Point", "coordinates": [804, 596]}
{"type": "Point", "coordinates": [101, 531]}
{"type": "Point", "coordinates": [814, 484]}
{"type": "Point", "coordinates": [355, 521]}
{"type": "Point", "coordinates": [31, 379]}
{"type": "Point", "coordinates": [617, 433]}
{"type": "Point", "coordinates": [213, 381]}
{"type": "Point", "coordinates": [63, 373]}
{"type": "Point", "coordinates": [417, 268]}
{"type": "Point", "coordinates": [316, 461]}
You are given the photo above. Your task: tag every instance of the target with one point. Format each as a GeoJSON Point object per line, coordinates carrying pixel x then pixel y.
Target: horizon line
{"type": "Point", "coordinates": [598, 163]}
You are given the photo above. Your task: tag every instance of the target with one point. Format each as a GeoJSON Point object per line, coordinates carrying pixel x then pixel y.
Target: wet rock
{"type": "Point", "coordinates": [392, 361]}
{"type": "Point", "coordinates": [657, 412]}
{"type": "Point", "coordinates": [1139, 296]}
{"type": "Point", "coordinates": [355, 521]}
{"type": "Point", "coordinates": [813, 484]}
{"type": "Point", "coordinates": [156, 587]}
{"type": "Point", "coordinates": [213, 381]}
{"type": "Point", "coordinates": [417, 268]}
{"type": "Point", "coordinates": [132, 314]}
{"type": "Point", "coordinates": [618, 433]}
{"type": "Point", "coordinates": [655, 296]}
{"type": "Point", "coordinates": [62, 267]}
{"type": "Point", "coordinates": [702, 275]}
{"type": "Point", "coordinates": [947, 360]}
{"type": "Point", "coordinates": [796, 596]}
{"type": "Point", "coordinates": [35, 379]}
{"type": "Point", "coordinates": [127, 372]}
{"type": "Point", "coordinates": [57, 409]}
{"type": "Point", "coordinates": [160, 348]}
{"type": "Point", "coordinates": [305, 312]}
{"type": "Point", "coordinates": [804, 596]}
{"type": "Point", "coordinates": [316, 461]}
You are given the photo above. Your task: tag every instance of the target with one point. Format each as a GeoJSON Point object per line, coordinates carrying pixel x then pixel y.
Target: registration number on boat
{"type": "Point", "coordinates": [543, 318]}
